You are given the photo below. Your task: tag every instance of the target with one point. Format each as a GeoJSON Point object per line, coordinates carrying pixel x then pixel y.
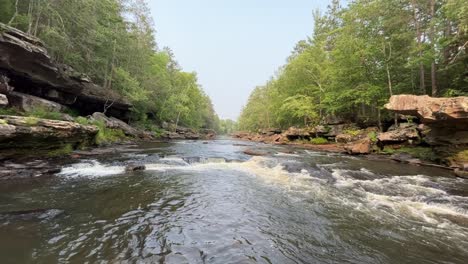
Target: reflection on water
{"type": "Point", "coordinates": [209, 203]}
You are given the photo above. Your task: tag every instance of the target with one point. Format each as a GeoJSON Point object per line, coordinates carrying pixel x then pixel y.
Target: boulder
{"type": "Point", "coordinates": [30, 133]}
{"type": "Point", "coordinates": [135, 167]}
{"type": "Point", "coordinates": [114, 123]}
{"type": "Point", "coordinates": [3, 101]}
{"type": "Point", "coordinates": [255, 152]}
{"type": "Point", "coordinates": [399, 135]}
{"type": "Point", "coordinates": [362, 146]}
{"type": "Point", "coordinates": [30, 69]}
{"type": "Point", "coordinates": [28, 103]}
{"type": "Point", "coordinates": [171, 135]}
{"type": "Point", "coordinates": [430, 109]}
{"type": "Point", "coordinates": [294, 133]}
{"type": "Point", "coordinates": [461, 173]}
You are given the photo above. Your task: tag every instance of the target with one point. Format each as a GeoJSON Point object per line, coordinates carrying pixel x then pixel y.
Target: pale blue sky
{"type": "Point", "coordinates": [233, 45]}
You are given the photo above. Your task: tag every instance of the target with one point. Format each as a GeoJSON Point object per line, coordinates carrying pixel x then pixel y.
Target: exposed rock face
{"type": "Point", "coordinates": [114, 123]}
{"type": "Point", "coordinates": [27, 103]}
{"type": "Point", "coordinates": [362, 146]}
{"type": "Point", "coordinates": [294, 133]}
{"type": "Point", "coordinates": [28, 132]}
{"type": "Point", "coordinates": [399, 135]}
{"type": "Point", "coordinates": [31, 169]}
{"type": "Point", "coordinates": [429, 109]}
{"type": "Point", "coordinates": [446, 118]}
{"type": "Point", "coordinates": [3, 100]}
{"type": "Point", "coordinates": [29, 68]}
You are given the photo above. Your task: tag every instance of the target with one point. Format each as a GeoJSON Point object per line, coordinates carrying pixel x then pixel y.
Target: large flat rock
{"type": "Point", "coordinates": [30, 133]}
{"type": "Point", "coordinates": [430, 109]}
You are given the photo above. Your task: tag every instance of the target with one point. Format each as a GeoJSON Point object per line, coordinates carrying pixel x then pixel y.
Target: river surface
{"type": "Point", "coordinates": [207, 202]}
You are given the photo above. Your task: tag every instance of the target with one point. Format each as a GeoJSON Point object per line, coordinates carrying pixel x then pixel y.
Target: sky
{"type": "Point", "coordinates": [233, 45]}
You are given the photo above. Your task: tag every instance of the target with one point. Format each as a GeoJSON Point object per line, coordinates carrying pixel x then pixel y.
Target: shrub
{"type": "Point", "coordinates": [65, 150]}
{"type": "Point", "coordinates": [82, 121]}
{"type": "Point", "coordinates": [9, 111]}
{"type": "Point", "coordinates": [373, 136]}
{"type": "Point", "coordinates": [319, 141]}
{"type": "Point", "coordinates": [107, 135]}
{"type": "Point", "coordinates": [41, 112]}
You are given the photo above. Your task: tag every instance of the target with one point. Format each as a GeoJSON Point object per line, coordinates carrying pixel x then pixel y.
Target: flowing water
{"type": "Point", "coordinates": [207, 202]}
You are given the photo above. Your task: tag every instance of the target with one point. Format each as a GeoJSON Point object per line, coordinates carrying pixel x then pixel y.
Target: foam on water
{"type": "Point", "coordinates": [90, 169]}
{"type": "Point", "coordinates": [416, 196]}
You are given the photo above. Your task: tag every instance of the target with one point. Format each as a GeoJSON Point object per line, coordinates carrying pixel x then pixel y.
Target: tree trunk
{"type": "Point", "coordinates": [15, 14]}
{"type": "Point", "coordinates": [422, 85]}
{"type": "Point", "coordinates": [433, 64]}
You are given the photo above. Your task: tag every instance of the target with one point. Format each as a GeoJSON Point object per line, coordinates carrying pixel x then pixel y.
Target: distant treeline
{"type": "Point", "coordinates": [360, 55]}
{"type": "Point", "coordinates": [113, 42]}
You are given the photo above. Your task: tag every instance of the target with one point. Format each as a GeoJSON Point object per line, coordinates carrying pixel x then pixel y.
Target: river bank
{"type": "Point", "coordinates": [430, 132]}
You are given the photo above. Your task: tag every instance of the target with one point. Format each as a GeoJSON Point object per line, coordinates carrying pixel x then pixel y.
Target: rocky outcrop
{"type": "Point", "coordinates": [29, 133]}
{"type": "Point", "coordinates": [431, 110]}
{"type": "Point", "coordinates": [401, 134]}
{"type": "Point", "coordinates": [114, 123]}
{"type": "Point", "coordinates": [26, 66]}
{"type": "Point", "coordinates": [446, 118]}
{"type": "Point", "coordinates": [362, 146]}
{"type": "Point", "coordinates": [28, 103]}
{"type": "Point", "coordinates": [187, 133]}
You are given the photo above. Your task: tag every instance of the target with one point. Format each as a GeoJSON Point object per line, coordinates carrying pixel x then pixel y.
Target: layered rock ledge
{"type": "Point", "coordinates": [26, 67]}
{"type": "Point", "coordinates": [19, 132]}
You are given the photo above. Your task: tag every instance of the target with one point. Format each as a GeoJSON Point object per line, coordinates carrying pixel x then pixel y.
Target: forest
{"type": "Point", "coordinates": [358, 56]}
{"type": "Point", "coordinates": [113, 42]}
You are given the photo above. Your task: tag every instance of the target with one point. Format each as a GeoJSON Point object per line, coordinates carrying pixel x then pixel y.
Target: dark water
{"type": "Point", "coordinates": [209, 203]}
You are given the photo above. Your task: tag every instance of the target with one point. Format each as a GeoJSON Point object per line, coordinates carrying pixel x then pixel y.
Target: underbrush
{"type": "Point", "coordinates": [318, 141]}
{"type": "Point", "coordinates": [423, 153]}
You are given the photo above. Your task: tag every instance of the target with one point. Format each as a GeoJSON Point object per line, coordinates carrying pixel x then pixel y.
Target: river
{"type": "Point", "coordinates": [207, 202]}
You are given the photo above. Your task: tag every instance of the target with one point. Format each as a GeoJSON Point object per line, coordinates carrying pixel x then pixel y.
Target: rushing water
{"type": "Point", "coordinates": [207, 202]}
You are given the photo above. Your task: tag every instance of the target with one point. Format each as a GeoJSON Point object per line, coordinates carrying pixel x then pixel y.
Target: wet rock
{"type": "Point", "coordinates": [39, 214]}
{"type": "Point", "coordinates": [255, 152]}
{"type": "Point", "coordinates": [29, 132]}
{"type": "Point", "coordinates": [3, 101]}
{"type": "Point", "coordinates": [26, 171]}
{"type": "Point", "coordinates": [362, 146]}
{"type": "Point", "coordinates": [135, 167]}
{"type": "Point", "coordinates": [461, 173]}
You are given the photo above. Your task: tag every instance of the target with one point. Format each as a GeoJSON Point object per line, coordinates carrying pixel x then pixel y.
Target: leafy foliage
{"type": "Point", "coordinates": [112, 42]}
{"type": "Point", "coordinates": [360, 55]}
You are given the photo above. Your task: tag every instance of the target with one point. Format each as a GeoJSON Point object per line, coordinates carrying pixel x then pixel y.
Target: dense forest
{"type": "Point", "coordinates": [113, 42]}
{"type": "Point", "coordinates": [361, 54]}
